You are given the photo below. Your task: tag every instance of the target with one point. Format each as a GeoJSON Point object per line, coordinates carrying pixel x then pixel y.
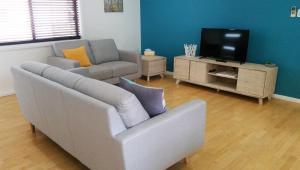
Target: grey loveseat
{"type": "Point", "coordinates": [82, 115]}
{"type": "Point", "coordinates": [109, 63]}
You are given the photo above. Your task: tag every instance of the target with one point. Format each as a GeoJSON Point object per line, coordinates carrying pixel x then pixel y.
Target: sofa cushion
{"type": "Point", "coordinates": [60, 46]}
{"type": "Point", "coordinates": [152, 99]}
{"type": "Point", "coordinates": [63, 77]}
{"type": "Point", "coordinates": [104, 50]}
{"type": "Point", "coordinates": [121, 68]}
{"type": "Point", "coordinates": [100, 72]}
{"type": "Point", "coordinates": [35, 67]}
{"type": "Point", "coordinates": [126, 103]}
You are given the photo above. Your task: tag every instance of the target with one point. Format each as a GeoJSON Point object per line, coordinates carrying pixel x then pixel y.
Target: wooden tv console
{"type": "Point", "coordinates": [254, 80]}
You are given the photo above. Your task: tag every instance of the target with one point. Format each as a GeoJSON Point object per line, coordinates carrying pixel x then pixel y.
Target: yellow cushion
{"type": "Point", "coordinates": [78, 54]}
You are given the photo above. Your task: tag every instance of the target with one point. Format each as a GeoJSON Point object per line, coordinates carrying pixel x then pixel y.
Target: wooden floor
{"type": "Point", "coordinates": [240, 134]}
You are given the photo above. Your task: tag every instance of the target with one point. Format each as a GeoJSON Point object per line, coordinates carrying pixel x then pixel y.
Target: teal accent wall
{"type": "Point", "coordinates": [274, 36]}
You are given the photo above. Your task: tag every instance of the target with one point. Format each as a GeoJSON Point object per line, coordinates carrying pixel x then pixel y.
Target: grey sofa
{"type": "Point", "coordinates": [109, 63]}
{"type": "Point", "coordinates": [82, 116]}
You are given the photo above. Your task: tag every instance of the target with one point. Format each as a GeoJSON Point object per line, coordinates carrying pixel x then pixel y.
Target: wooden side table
{"type": "Point", "coordinates": [154, 65]}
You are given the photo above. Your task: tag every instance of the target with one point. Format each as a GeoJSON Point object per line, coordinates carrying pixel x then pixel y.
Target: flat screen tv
{"type": "Point", "coordinates": [224, 44]}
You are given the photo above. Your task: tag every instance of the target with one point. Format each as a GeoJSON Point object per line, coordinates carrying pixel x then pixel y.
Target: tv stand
{"type": "Point", "coordinates": [254, 80]}
{"type": "Point", "coordinates": [220, 60]}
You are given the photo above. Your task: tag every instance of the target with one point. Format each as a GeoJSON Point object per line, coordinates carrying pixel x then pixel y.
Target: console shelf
{"type": "Point", "coordinates": [223, 85]}
{"type": "Point", "coordinates": [254, 80]}
{"type": "Point", "coordinates": [224, 76]}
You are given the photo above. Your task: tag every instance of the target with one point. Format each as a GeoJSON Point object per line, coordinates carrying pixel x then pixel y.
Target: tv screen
{"type": "Point", "coordinates": [224, 44]}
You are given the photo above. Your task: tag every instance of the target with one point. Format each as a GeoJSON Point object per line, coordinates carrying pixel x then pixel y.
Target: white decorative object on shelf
{"type": "Point", "coordinates": [190, 50]}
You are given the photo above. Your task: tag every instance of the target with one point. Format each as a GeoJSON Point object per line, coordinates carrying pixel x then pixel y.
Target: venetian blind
{"type": "Point", "coordinates": [26, 21]}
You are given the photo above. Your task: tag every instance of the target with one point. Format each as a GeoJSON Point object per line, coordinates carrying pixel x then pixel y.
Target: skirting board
{"type": "Point", "coordinates": [7, 93]}
{"type": "Point", "coordinates": [169, 73]}
{"type": "Point", "coordinates": [286, 98]}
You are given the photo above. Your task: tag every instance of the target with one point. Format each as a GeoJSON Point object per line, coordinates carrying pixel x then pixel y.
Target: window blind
{"type": "Point", "coordinates": [27, 21]}
{"type": "Point", "coordinates": [15, 23]}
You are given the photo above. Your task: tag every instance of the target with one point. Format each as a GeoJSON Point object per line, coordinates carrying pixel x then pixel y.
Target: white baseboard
{"type": "Point", "coordinates": [169, 73]}
{"type": "Point", "coordinates": [286, 98]}
{"type": "Point", "coordinates": [7, 93]}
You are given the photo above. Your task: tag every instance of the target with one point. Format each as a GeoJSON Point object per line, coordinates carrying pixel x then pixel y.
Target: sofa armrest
{"type": "Point", "coordinates": [164, 140]}
{"type": "Point", "coordinates": [131, 57]}
{"type": "Point", "coordinates": [84, 71]}
{"type": "Point", "coordinates": [62, 63]}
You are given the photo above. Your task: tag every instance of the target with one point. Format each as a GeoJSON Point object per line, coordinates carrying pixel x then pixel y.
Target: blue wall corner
{"type": "Point", "coordinates": [274, 36]}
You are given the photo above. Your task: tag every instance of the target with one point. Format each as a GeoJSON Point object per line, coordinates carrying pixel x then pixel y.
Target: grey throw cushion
{"type": "Point", "coordinates": [151, 98]}
{"type": "Point", "coordinates": [128, 106]}
{"type": "Point", "coordinates": [104, 50]}
{"type": "Point", "coordinates": [60, 46]}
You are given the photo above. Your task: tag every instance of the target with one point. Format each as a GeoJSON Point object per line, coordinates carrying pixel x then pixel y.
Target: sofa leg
{"type": "Point", "coordinates": [32, 127]}
{"type": "Point", "coordinates": [261, 101]}
{"type": "Point", "coordinates": [186, 160]}
{"type": "Point", "coordinates": [162, 76]}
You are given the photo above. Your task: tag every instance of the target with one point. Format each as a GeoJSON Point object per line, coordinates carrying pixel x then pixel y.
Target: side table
{"type": "Point", "coordinates": [154, 65]}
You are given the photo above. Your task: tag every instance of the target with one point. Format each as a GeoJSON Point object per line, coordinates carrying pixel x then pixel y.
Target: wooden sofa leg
{"type": "Point", "coordinates": [186, 160]}
{"type": "Point", "coordinates": [32, 127]}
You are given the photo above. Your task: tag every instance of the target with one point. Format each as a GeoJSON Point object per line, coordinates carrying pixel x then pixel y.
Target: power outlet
{"type": "Point", "coordinates": [294, 11]}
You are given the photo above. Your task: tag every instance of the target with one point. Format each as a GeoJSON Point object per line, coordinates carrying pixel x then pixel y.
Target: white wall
{"type": "Point", "coordinates": [123, 27]}
{"type": "Point", "coordinates": [15, 55]}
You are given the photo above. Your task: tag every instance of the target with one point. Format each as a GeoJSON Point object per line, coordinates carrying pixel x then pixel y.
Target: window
{"type": "Point", "coordinates": [28, 21]}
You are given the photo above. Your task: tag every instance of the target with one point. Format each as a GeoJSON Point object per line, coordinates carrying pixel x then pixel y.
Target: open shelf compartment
{"type": "Point", "coordinates": [223, 77]}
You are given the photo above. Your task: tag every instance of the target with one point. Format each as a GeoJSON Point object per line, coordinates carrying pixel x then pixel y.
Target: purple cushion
{"type": "Point", "coordinates": [152, 99]}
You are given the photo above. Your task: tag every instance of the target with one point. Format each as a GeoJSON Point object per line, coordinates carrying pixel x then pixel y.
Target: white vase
{"type": "Point", "coordinates": [190, 50]}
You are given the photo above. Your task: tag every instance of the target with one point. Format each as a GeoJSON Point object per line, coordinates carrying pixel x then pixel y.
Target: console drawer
{"type": "Point", "coordinates": [182, 69]}
{"type": "Point", "coordinates": [254, 76]}
{"type": "Point", "coordinates": [251, 82]}
{"type": "Point", "coordinates": [156, 67]}
{"type": "Point", "coordinates": [199, 72]}
{"type": "Point", "coordinates": [248, 88]}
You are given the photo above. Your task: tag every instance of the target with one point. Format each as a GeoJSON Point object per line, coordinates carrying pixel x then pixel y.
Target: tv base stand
{"type": "Point", "coordinates": [223, 61]}
{"type": "Point", "coordinates": [253, 80]}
